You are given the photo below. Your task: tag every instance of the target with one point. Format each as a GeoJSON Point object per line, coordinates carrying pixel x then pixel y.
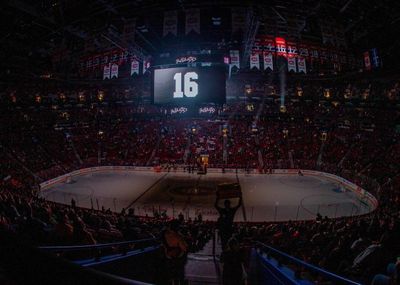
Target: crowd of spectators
{"type": "Point", "coordinates": [358, 140]}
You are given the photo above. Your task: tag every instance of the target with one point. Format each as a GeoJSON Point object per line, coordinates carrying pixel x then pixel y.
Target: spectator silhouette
{"type": "Point", "coordinates": [175, 251]}
{"type": "Point", "coordinates": [225, 220]}
{"type": "Point", "coordinates": [233, 260]}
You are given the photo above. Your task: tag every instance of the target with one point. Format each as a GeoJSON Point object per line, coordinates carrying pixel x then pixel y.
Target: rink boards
{"type": "Point", "coordinates": [281, 196]}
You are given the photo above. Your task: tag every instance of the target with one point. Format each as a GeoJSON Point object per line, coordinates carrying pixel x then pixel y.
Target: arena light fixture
{"type": "Point", "coordinates": [62, 97]}
{"type": "Point", "coordinates": [285, 133]}
{"type": "Point", "coordinates": [299, 92]}
{"type": "Point", "coordinates": [38, 99]}
{"type": "Point", "coordinates": [327, 93]}
{"type": "Point", "coordinates": [81, 97]}
{"type": "Point", "coordinates": [13, 98]}
{"type": "Point", "coordinates": [324, 136]}
{"type": "Point", "coordinates": [100, 96]}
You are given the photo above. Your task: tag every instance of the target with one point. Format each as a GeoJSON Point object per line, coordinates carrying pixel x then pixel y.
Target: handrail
{"type": "Point", "coordinates": [114, 257]}
{"type": "Point", "coordinates": [311, 267]}
{"type": "Point", "coordinates": [93, 246]}
{"type": "Point", "coordinates": [24, 264]}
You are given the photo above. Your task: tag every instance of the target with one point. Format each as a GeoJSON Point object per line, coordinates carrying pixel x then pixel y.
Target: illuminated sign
{"type": "Point", "coordinates": [189, 85]}
{"type": "Point", "coordinates": [280, 46]}
{"type": "Point", "coordinates": [207, 110]}
{"type": "Point", "coordinates": [181, 110]}
{"type": "Point", "coordinates": [184, 59]}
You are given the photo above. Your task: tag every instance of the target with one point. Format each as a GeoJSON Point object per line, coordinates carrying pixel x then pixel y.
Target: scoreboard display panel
{"type": "Point", "coordinates": [186, 85]}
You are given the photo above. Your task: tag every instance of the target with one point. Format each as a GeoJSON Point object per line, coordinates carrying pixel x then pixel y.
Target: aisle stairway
{"type": "Point", "coordinates": [73, 148]}
{"type": "Point", "coordinates": [202, 267]}
{"type": "Point", "coordinates": [320, 155]}
{"type": "Point", "coordinates": [259, 154]}
{"type": "Point", "coordinates": [225, 150]}
{"type": "Point", "coordinates": [187, 153]}
{"type": "Point", "coordinates": [154, 152]}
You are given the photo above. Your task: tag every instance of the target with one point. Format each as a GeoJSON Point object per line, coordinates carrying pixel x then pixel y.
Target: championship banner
{"type": "Point", "coordinates": [268, 61]}
{"type": "Point", "coordinates": [226, 60]}
{"type": "Point", "coordinates": [327, 33]}
{"type": "Point", "coordinates": [238, 20]}
{"type": "Point", "coordinates": [114, 70]}
{"type": "Point", "coordinates": [301, 64]}
{"type": "Point", "coordinates": [134, 67]}
{"type": "Point", "coordinates": [128, 34]}
{"type": "Point", "coordinates": [192, 21]}
{"type": "Point", "coordinates": [235, 59]}
{"type": "Point", "coordinates": [170, 23]}
{"type": "Point", "coordinates": [291, 64]}
{"type": "Point", "coordinates": [106, 72]}
{"type": "Point", "coordinates": [254, 61]}
{"type": "Point", "coordinates": [367, 61]}
{"type": "Point", "coordinates": [146, 65]}
{"type": "Point", "coordinates": [312, 51]}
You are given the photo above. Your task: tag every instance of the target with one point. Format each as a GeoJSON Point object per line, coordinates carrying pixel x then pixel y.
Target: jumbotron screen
{"type": "Point", "coordinates": [186, 85]}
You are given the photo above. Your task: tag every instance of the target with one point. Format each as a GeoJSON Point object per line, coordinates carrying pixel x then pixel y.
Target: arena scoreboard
{"type": "Point", "coordinates": [187, 85]}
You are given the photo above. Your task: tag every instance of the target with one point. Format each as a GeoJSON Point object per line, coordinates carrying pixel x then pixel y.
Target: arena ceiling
{"type": "Point", "coordinates": [31, 31]}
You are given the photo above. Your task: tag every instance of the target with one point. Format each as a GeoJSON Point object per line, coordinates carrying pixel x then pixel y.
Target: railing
{"type": "Point", "coordinates": [277, 267]}
{"type": "Point", "coordinates": [90, 255]}
{"type": "Point", "coordinates": [23, 264]}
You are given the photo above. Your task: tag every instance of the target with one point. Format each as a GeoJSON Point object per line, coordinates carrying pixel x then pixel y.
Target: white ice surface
{"type": "Point", "coordinates": [266, 197]}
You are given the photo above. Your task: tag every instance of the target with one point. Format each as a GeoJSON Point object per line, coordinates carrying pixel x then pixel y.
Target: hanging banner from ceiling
{"type": "Point", "coordinates": [268, 61]}
{"type": "Point", "coordinates": [192, 21]}
{"type": "Point", "coordinates": [106, 72]}
{"type": "Point", "coordinates": [291, 63]}
{"type": "Point", "coordinates": [114, 70]}
{"type": "Point", "coordinates": [238, 20]}
{"type": "Point", "coordinates": [128, 33]}
{"type": "Point", "coordinates": [170, 23]}
{"type": "Point", "coordinates": [367, 61]}
{"type": "Point", "coordinates": [235, 59]}
{"type": "Point", "coordinates": [254, 61]}
{"type": "Point", "coordinates": [134, 67]}
{"type": "Point", "coordinates": [301, 64]}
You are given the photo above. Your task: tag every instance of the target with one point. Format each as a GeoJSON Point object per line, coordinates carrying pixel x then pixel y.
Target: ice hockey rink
{"type": "Point", "coordinates": [266, 197]}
